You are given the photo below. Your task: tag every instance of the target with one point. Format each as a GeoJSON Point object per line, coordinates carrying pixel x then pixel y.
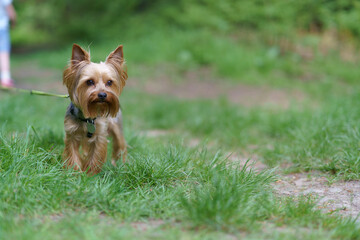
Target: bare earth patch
{"type": "Point", "coordinates": [144, 226]}
{"type": "Point", "coordinates": [249, 160]}
{"type": "Point", "coordinates": [342, 197]}
{"type": "Point", "coordinates": [155, 133]}
{"type": "Point", "coordinates": [31, 76]}
{"type": "Point", "coordinates": [201, 85]}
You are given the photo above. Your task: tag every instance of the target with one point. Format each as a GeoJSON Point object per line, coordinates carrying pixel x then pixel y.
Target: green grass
{"type": "Point", "coordinates": [186, 188]}
{"type": "Point", "coordinates": [190, 188]}
{"type": "Point", "coordinates": [194, 191]}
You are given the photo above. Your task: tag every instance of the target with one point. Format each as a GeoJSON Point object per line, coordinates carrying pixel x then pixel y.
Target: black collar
{"type": "Point", "coordinates": [90, 122]}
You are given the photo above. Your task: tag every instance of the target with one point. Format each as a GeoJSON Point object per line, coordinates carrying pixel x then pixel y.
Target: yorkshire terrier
{"type": "Point", "coordinates": [94, 111]}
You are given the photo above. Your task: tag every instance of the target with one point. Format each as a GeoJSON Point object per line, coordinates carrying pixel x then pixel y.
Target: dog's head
{"type": "Point", "coordinates": [95, 87]}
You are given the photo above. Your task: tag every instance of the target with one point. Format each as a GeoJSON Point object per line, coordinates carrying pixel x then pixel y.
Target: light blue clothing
{"type": "Point", "coordinates": [4, 18]}
{"type": "Point", "coordinates": [4, 26]}
{"type": "Point", "coordinates": [4, 40]}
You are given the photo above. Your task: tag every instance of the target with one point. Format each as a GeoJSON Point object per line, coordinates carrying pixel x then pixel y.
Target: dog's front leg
{"type": "Point", "coordinates": [96, 156]}
{"type": "Point", "coordinates": [119, 148]}
{"type": "Point", "coordinates": [119, 143]}
{"type": "Point", "coordinates": [71, 153]}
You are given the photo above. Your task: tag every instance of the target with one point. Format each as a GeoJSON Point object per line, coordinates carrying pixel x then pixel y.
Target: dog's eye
{"type": "Point", "coordinates": [109, 83]}
{"type": "Point", "coordinates": [90, 82]}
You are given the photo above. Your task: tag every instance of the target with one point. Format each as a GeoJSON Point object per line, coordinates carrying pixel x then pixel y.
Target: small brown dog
{"type": "Point", "coordinates": [94, 111]}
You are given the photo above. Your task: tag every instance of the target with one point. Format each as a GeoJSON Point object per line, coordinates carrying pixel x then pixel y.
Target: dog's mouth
{"type": "Point", "coordinates": [97, 107]}
{"type": "Point", "coordinates": [101, 101]}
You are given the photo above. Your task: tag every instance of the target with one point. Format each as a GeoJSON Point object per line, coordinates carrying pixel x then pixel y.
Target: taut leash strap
{"type": "Point", "coordinates": [32, 92]}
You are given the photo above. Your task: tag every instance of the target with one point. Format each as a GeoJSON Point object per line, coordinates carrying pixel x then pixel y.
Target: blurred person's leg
{"type": "Point", "coordinates": [5, 74]}
{"type": "Point", "coordinates": [5, 69]}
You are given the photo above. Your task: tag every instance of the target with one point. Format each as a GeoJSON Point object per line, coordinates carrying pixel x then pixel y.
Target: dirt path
{"type": "Point", "coordinates": [342, 197]}
{"type": "Point", "coordinates": [194, 85]}
{"type": "Point", "coordinates": [30, 76]}
{"type": "Point", "coordinates": [202, 84]}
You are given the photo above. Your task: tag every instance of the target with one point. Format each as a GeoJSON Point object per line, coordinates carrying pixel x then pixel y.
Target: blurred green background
{"type": "Point", "coordinates": [55, 22]}
{"type": "Point", "coordinates": [275, 42]}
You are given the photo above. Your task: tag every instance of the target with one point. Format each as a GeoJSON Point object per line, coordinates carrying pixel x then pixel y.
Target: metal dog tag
{"type": "Point", "coordinates": [90, 126]}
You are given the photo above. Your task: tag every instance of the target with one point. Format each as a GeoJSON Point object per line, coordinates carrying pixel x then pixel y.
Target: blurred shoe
{"type": "Point", "coordinates": [7, 83]}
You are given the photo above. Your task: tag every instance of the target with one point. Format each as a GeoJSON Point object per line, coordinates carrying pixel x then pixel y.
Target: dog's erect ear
{"type": "Point", "coordinates": [78, 58]}
{"type": "Point", "coordinates": [79, 54]}
{"type": "Point", "coordinates": [116, 55]}
{"type": "Point", "coordinates": [116, 60]}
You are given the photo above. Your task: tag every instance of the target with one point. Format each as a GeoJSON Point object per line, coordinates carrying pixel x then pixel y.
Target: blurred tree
{"type": "Point", "coordinates": [54, 21]}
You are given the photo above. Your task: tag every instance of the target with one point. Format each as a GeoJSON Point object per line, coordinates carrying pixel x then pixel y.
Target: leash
{"type": "Point", "coordinates": [90, 123]}
{"type": "Point", "coordinates": [32, 92]}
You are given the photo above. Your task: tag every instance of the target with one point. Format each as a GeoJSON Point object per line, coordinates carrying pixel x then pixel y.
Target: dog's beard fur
{"type": "Point", "coordinates": [92, 107]}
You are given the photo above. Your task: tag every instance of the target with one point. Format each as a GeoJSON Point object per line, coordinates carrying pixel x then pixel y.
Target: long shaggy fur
{"type": "Point", "coordinates": [86, 82]}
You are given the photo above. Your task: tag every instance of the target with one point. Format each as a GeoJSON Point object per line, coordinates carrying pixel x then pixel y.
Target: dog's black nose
{"type": "Point", "coordinates": [102, 95]}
